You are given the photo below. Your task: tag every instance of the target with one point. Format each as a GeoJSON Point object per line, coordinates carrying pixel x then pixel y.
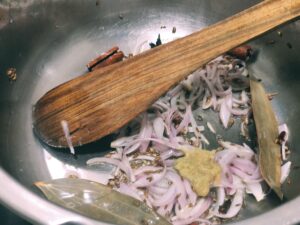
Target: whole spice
{"type": "Point", "coordinates": [107, 58]}
{"type": "Point", "coordinates": [117, 57]}
{"type": "Point", "coordinates": [242, 52]}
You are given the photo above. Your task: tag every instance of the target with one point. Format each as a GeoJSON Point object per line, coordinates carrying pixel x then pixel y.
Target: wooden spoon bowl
{"type": "Point", "coordinates": [96, 104]}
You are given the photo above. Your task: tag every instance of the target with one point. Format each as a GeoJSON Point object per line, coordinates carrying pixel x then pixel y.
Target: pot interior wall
{"type": "Point", "coordinates": [51, 42]}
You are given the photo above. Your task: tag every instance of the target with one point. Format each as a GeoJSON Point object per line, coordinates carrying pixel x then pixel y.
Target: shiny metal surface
{"type": "Point", "coordinates": [10, 218]}
{"type": "Point", "coordinates": [49, 42]}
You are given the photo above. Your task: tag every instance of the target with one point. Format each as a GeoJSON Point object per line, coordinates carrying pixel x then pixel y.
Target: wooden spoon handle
{"type": "Point", "coordinates": [97, 104]}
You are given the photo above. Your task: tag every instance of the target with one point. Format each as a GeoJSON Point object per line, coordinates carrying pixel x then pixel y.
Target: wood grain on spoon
{"type": "Point", "coordinates": [104, 100]}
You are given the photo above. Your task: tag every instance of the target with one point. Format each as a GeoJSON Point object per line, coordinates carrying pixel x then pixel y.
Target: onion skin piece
{"type": "Point", "coordinates": [267, 132]}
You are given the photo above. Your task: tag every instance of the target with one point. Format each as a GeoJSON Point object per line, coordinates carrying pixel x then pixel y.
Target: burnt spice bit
{"type": "Point", "coordinates": [224, 208]}
{"type": "Point", "coordinates": [152, 45]}
{"type": "Point", "coordinates": [158, 42]}
{"type": "Point", "coordinates": [11, 74]}
{"type": "Point", "coordinates": [174, 30]}
{"type": "Point", "coordinates": [289, 45]}
{"type": "Point", "coordinates": [281, 137]}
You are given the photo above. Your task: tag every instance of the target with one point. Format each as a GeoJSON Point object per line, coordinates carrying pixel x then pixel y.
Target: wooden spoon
{"type": "Point", "coordinates": [104, 100]}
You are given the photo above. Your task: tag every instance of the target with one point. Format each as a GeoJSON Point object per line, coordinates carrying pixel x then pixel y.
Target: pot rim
{"type": "Point", "coordinates": [41, 211]}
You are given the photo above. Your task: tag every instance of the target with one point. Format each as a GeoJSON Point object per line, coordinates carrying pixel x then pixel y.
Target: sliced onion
{"type": "Point", "coordinates": [115, 162]}
{"type": "Point", "coordinates": [245, 165]}
{"type": "Point", "coordinates": [225, 113]}
{"type": "Point", "coordinates": [211, 128]}
{"type": "Point", "coordinates": [132, 148]}
{"type": "Point", "coordinates": [235, 206]}
{"type": "Point", "coordinates": [243, 175]}
{"type": "Point", "coordinates": [158, 126]}
{"type": "Point", "coordinates": [184, 122]}
{"type": "Point", "coordinates": [161, 105]}
{"type": "Point", "coordinates": [96, 176]}
{"type": "Point", "coordinates": [256, 190]}
{"type": "Point", "coordinates": [126, 165]}
{"type": "Point", "coordinates": [176, 179]}
{"type": "Point", "coordinates": [143, 157]}
{"type": "Point", "coordinates": [149, 180]}
{"type": "Point", "coordinates": [285, 171]}
{"type": "Point", "coordinates": [190, 214]}
{"type": "Point", "coordinates": [224, 93]}
{"type": "Point", "coordinates": [241, 151]}
{"type": "Point", "coordinates": [239, 112]}
{"type": "Point", "coordinates": [283, 152]}
{"type": "Point", "coordinates": [220, 196]}
{"type": "Point", "coordinates": [158, 190]}
{"type": "Point", "coordinates": [146, 132]}
{"type": "Point", "coordinates": [170, 153]}
{"type": "Point", "coordinates": [66, 131]}
{"type": "Point", "coordinates": [123, 141]}
{"type": "Point", "coordinates": [171, 126]}
{"type": "Point", "coordinates": [191, 195]}
{"type": "Point", "coordinates": [129, 190]}
{"type": "Point", "coordinates": [284, 128]}
{"type": "Point", "coordinates": [174, 91]}
{"type": "Point", "coordinates": [244, 99]}
{"type": "Point", "coordinates": [147, 169]}
{"type": "Point", "coordinates": [165, 199]}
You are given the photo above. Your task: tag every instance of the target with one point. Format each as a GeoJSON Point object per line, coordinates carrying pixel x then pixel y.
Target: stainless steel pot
{"type": "Point", "coordinates": [50, 41]}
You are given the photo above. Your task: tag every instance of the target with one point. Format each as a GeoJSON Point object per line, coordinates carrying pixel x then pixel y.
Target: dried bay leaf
{"type": "Point", "coordinates": [267, 133]}
{"type": "Point", "coordinates": [99, 202]}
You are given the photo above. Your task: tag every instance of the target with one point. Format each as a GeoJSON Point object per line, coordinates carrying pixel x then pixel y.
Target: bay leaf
{"type": "Point", "coordinates": [99, 202]}
{"type": "Point", "coordinates": [267, 133]}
